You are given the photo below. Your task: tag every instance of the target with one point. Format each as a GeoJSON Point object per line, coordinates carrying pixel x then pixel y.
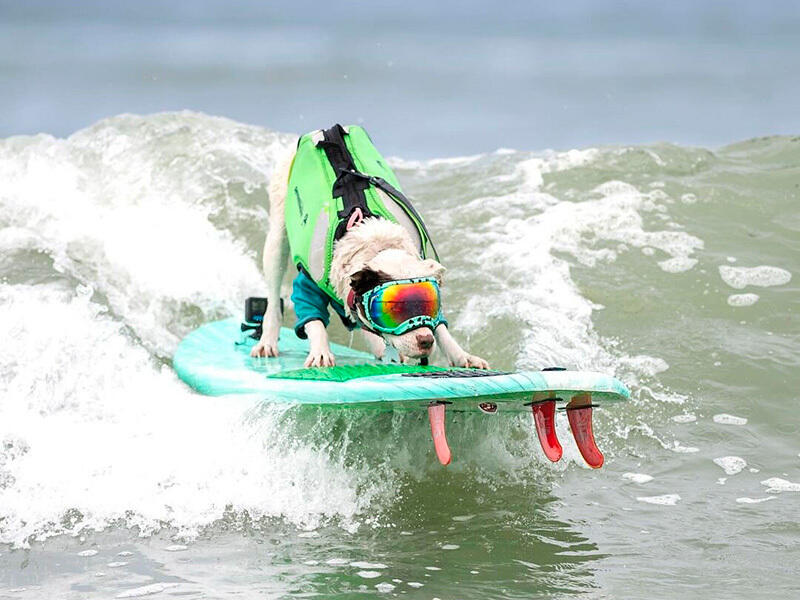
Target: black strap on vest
{"type": "Point", "coordinates": [348, 186]}
{"type": "Point", "coordinates": [385, 186]}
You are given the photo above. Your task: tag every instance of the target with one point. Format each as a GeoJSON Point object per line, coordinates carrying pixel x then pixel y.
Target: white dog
{"type": "Point", "coordinates": [372, 252]}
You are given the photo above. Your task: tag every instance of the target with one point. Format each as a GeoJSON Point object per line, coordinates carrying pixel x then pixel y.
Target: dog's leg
{"type": "Point", "coordinates": [319, 354]}
{"type": "Point", "coordinates": [376, 344]}
{"type": "Point", "coordinates": [275, 259]}
{"type": "Point", "coordinates": [276, 256]}
{"type": "Point", "coordinates": [455, 353]}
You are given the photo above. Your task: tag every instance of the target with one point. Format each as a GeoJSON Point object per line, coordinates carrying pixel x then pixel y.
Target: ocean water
{"type": "Point", "coordinates": [675, 266]}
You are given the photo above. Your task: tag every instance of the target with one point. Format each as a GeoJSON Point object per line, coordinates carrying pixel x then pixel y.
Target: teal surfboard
{"type": "Point", "coordinates": [215, 360]}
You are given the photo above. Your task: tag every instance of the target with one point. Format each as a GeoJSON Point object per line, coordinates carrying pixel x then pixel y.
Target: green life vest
{"type": "Point", "coordinates": [337, 179]}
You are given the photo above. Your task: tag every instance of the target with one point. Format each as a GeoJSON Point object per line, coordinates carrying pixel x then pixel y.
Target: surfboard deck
{"type": "Point", "coordinates": [215, 360]}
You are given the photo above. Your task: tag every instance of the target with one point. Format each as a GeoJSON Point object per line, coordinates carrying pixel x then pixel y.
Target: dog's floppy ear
{"type": "Point", "coordinates": [364, 280]}
{"type": "Point", "coordinates": [434, 269]}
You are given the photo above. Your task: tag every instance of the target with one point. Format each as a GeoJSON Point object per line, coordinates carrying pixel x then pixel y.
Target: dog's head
{"type": "Point", "coordinates": [390, 265]}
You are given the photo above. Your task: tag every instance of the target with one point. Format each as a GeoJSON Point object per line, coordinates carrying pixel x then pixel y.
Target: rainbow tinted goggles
{"type": "Point", "coordinates": [398, 306]}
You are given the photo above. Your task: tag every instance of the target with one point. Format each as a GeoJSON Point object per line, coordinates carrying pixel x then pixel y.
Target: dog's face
{"type": "Point", "coordinates": [391, 265]}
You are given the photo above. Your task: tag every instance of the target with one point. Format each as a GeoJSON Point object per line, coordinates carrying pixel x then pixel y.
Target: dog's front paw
{"type": "Point", "coordinates": [320, 358]}
{"type": "Point", "coordinates": [265, 348]}
{"type": "Point", "coordinates": [474, 362]}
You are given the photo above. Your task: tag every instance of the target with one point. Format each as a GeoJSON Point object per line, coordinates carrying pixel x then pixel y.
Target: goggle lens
{"type": "Point", "coordinates": [393, 305]}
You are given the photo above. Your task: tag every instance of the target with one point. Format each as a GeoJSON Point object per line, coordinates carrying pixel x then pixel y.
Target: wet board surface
{"type": "Point", "coordinates": [215, 360]}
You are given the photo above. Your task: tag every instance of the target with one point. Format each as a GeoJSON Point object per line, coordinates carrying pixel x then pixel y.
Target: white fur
{"type": "Point", "coordinates": [375, 243]}
{"type": "Point", "coordinates": [362, 244]}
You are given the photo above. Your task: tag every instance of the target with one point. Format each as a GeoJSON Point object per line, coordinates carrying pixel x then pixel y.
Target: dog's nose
{"type": "Point", "coordinates": [425, 341]}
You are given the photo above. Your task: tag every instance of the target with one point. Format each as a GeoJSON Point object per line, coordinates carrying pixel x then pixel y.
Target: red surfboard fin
{"type": "Point", "coordinates": [580, 421]}
{"type": "Point", "coordinates": [436, 417]}
{"type": "Point", "coordinates": [544, 419]}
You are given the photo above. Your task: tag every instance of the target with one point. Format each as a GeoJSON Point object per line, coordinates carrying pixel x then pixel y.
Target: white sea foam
{"type": "Point", "coordinates": [532, 169]}
{"type": "Point", "coordinates": [73, 392]}
{"type": "Point", "coordinates": [663, 500]}
{"type": "Point", "coordinates": [123, 205]}
{"type": "Point", "coordinates": [746, 500]}
{"type": "Point", "coordinates": [776, 484]}
{"type": "Point", "coordinates": [681, 449]}
{"type": "Point", "coordinates": [450, 547]}
{"type": "Point", "coordinates": [649, 366]}
{"type": "Point", "coordinates": [146, 590]}
{"type": "Point", "coordinates": [678, 264]}
{"type": "Point", "coordinates": [385, 587]}
{"type": "Point", "coordinates": [637, 477]}
{"type": "Point", "coordinates": [762, 276]}
{"type": "Point", "coordinates": [360, 564]}
{"type": "Point", "coordinates": [730, 464]}
{"type": "Point", "coordinates": [742, 299]}
{"type": "Point", "coordinates": [369, 574]}
{"type": "Point", "coordinates": [685, 418]}
{"type": "Point", "coordinates": [397, 162]}
{"type": "Point", "coordinates": [726, 419]}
